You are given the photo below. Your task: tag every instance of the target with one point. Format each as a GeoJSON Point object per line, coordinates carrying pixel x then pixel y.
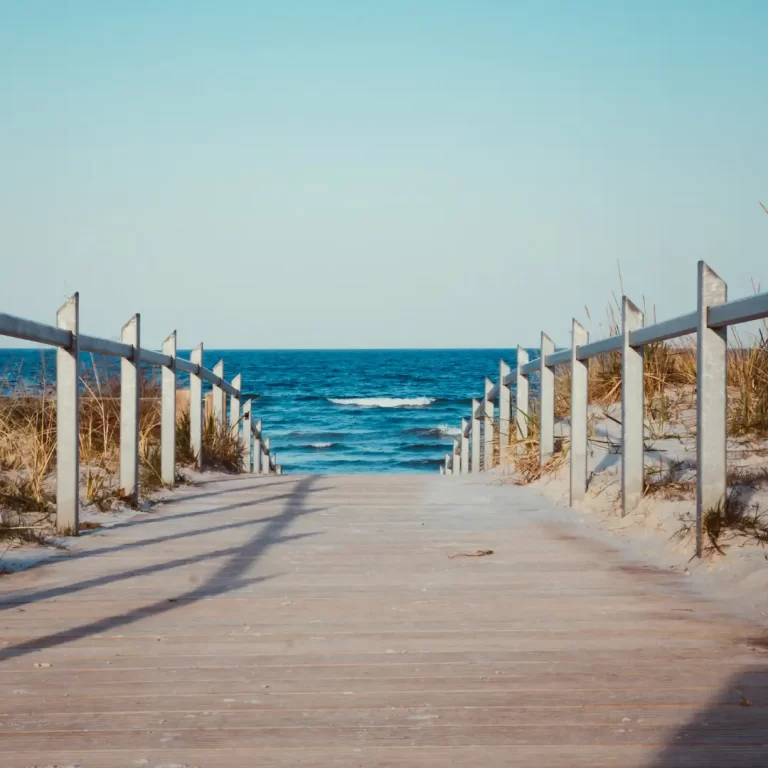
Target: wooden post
{"type": "Point", "coordinates": [522, 411]}
{"type": "Point", "coordinates": [168, 414]}
{"type": "Point", "coordinates": [258, 453]}
{"type": "Point", "coordinates": [488, 427]}
{"type": "Point", "coordinates": [632, 410]}
{"type": "Point", "coordinates": [546, 402]}
{"type": "Point", "coordinates": [504, 412]}
{"type": "Point", "coordinates": [196, 408]}
{"type": "Point", "coordinates": [711, 388]}
{"type": "Point", "coordinates": [130, 390]}
{"type": "Point", "coordinates": [457, 454]}
{"type": "Point", "coordinates": [246, 436]}
{"type": "Point", "coordinates": [476, 437]}
{"type": "Point", "coordinates": [219, 397]}
{"type": "Point", "coordinates": [234, 405]}
{"type": "Point", "coordinates": [579, 414]}
{"type": "Point", "coordinates": [448, 466]}
{"type": "Point", "coordinates": [266, 458]}
{"type": "Point", "coordinates": [464, 448]}
{"type": "Point", "coordinates": [68, 421]}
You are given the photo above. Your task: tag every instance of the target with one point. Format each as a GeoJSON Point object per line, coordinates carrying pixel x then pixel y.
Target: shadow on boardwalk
{"type": "Point", "coordinates": [227, 578]}
{"type": "Point", "coordinates": [731, 731]}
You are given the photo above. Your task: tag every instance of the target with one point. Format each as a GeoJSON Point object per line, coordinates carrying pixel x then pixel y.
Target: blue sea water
{"type": "Point", "coordinates": [339, 411]}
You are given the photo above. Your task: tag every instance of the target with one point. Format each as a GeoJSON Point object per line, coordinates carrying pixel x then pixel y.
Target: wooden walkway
{"type": "Point", "coordinates": [317, 621]}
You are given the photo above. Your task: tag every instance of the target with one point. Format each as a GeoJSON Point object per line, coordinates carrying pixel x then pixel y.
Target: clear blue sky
{"type": "Point", "coordinates": [377, 174]}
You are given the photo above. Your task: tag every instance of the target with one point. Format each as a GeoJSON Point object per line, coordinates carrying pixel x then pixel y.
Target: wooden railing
{"type": "Point", "coordinates": [69, 342]}
{"type": "Point", "coordinates": [473, 450]}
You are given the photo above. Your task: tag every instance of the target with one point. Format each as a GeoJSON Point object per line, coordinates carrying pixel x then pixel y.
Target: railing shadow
{"type": "Point", "coordinates": [226, 578]}
{"type": "Point", "coordinates": [731, 731]}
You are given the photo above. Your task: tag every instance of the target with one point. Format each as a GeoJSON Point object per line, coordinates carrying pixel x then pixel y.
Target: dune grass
{"type": "Point", "coordinates": [28, 449]}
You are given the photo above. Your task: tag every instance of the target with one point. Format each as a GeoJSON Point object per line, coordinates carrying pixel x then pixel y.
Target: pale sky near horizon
{"type": "Point", "coordinates": [342, 173]}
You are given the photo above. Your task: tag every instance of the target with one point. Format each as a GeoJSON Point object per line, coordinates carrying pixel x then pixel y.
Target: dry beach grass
{"type": "Point", "coordinates": [28, 451]}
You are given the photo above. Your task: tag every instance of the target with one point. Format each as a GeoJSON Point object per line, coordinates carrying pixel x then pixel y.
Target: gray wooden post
{"type": "Point", "coordinates": [168, 414]}
{"type": "Point", "coordinates": [245, 427]}
{"type": "Point", "coordinates": [442, 469]}
{"type": "Point", "coordinates": [130, 390]}
{"type": "Point", "coordinates": [464, 448]}
{"type": "Point", "coordinates": [546, 402]}
{"type": "Point", "coordinates": [234, 405]}
{"type": "Point", "coordinates": [258, 453]}
{"type": "Point", "coordinates": [196, 408]}
{"type": "Point", "coordinates": [476, 437]}
{"type": "Point", "coordinates": [448, 465]}
{"type": "Point", "coordinates": [219, 397]}
{"type": "Point", "coordinates": [487, 427]}
{"type": "Point", "coordinates": [504, 412]}
{"type": "Point", "coordinates": [266, 459]}
{"type": "Point", "coordinates": [457, 454]}
{"type": "Point", "coordinates": [711, 382]}
{"type": "Point", "coordinates": [522, 411]}
{"type": "Point", "coordinates": [632, 410]}
{"type": "Point", "coordinates": [579, 409]}
{"type": "Point", "coordinates": [68, 421]}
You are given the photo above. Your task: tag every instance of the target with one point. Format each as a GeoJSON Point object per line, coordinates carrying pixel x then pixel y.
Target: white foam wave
{"type": "Point", "coordinates": [445, 429]}
{"type": "Point", "coordinates": [384, 402]}
{"type": "Point", "coordinates": [321, 445]}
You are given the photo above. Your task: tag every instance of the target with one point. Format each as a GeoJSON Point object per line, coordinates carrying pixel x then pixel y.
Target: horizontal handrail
{"type": "Point", "coordinates": [29, 330]}
{"type": "Point", "coordinates": [596, 348]}
{"type": "Point", "coordinates": [104, 347]}
{"type": "Point", "coordinates": [155, 358]}
{"type": "Point", "coordinates": [739, 311]}
{"type": "Point", "coordinates": [664, 331]}
{"type": "Point", "coordinates": [186, 366]}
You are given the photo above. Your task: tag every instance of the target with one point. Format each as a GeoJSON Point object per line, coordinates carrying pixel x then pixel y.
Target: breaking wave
{"type": "Point", "coordinates": [384, 402]}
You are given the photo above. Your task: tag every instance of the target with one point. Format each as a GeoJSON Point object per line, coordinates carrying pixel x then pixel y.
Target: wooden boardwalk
{"type": "Point", "coordinates": [317, 621]}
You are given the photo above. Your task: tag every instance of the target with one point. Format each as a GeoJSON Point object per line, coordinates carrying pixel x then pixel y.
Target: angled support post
{"type": "Point", "coordinates": [546, 402]}
{"type": "Point", "coordinates": [68, 421]}
{"type": "Point", "coordinates": [522, 410]}
{"type": "Point", "coordinates": [504, 412]}
{"type": "Point", "coordinates": [130, 390]}
{"type": "Point", "coordinates": [464, 448]}
{"type": "Point", "coordinates": [246, 436]}
{"type": "Point", "coordinates": [476, 437]}
{"type": "Point", "coordinates": [196, 407]}
{"type": "Point", "coordinates": [711, 382]}
{"type": "Point", "coordinates": [487, 427]}
{"type": "Point", "coordinates": [632, 409]}
{"type": "Point", "coordinates": [219, 397]}
{"type": "Point", "coordinates": [579, 399]}
{"type": "Point", "coordinates": [234, 405]}
{"type": "Point", "coordinates": [168, 414]}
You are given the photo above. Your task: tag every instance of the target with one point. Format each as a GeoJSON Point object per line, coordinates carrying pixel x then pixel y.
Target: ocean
{"type": "Point", "coordinates": [339, 411]}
